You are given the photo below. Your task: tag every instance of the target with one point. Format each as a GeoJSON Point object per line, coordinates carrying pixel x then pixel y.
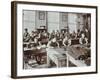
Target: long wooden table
{"type": "Point", "coordinates": [57, 55]}
{"type": "Point", "coordinates": [73, 52]}
{"type": "Point", "coordinates": [36, 53]}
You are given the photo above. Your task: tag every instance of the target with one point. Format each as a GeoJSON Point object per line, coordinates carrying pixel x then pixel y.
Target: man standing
{"type": "Point", "coordinates": [26, 36]}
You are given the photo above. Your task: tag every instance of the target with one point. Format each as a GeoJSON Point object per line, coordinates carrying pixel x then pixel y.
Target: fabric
{"type": "Point", "coordinates": [53, 44]}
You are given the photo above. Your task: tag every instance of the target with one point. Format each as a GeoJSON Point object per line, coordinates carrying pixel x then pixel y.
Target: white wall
{"type": "Point", "coordinates": [40, 22]}
{"type": "Point", "coordinates": [63, 22]}
{"type": "Point", "coordinates": [5, 41]}
{"type": "Point", "coordinates": [29, 20]}
{"type": "Point", "coordinates": [53, 21]}
{"type": "Point", "coordinates": [72, 23]}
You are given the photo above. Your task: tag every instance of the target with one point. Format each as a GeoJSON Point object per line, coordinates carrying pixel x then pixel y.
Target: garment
{"type": "Point", "coordinates": [66, 42]}
{"type": "Point", "coordinates": [88, 36]}
{"type": "Point", "coordinates": [53, 44]}
{"type": "Point", "coordinates": [83, 40]}
{"type": "Point", "coordinates": [26, 37]}
{"type": "Point", "coordinates": [35, 44]}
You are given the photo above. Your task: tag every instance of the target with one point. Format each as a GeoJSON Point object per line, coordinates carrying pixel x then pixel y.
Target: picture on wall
{"type": "Point", "coordinates": [41, 15]}
{"type": "Point", "coordinates": [59, 39]}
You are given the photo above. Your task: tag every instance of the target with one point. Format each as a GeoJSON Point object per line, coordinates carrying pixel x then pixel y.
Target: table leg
{"type": "Point", "coordinates": [67, 61]}
{"type": "Point", "coordinates": [58, 64]}
{"type": "Point", "coordinates": [48, 61]}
